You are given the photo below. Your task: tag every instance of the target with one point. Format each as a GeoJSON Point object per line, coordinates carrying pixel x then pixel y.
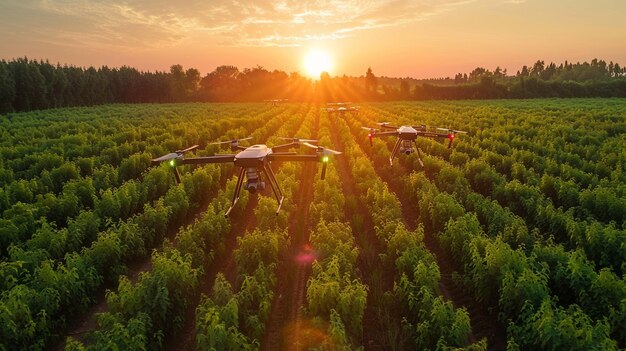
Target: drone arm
{"type": "Point", "coordinates": [384, 134]}
{"type": "Point", "coordinates": [433, 134]}
{"type": "Point", "coordinates": [207, 159]}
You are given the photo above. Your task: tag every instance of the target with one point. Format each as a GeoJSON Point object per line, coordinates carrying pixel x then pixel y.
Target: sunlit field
{"type": "Point", "coordinates": [513, 238]}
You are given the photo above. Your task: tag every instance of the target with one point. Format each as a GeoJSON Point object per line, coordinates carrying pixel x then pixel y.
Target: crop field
{"type": "Point", "coordinates": [514, 238]}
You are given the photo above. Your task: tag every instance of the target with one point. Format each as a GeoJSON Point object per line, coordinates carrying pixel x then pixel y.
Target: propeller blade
{"type": "Point", "coordinates": [326, 151]}
{"type": "Point", "coordinates": [322, 149]}
{"type": "Point", "coordinates": [311, 145]}
{"type": "Point", "coordinates": [382, 123]}
{"type": "Point", "coordinates": [229, 141]}
{"type": "Point", "coordinates": [167, 157]}
{"type": "Point", "coordinates": [299, 140]}
{"type": "Point", "coordinates": [219, 142]}
{"type": "Point", "coordinates": [370, 129]}
{"type": "Point", "coordinates": [188, 149]}
{"type": "Point", "coordinates": [450, 130]}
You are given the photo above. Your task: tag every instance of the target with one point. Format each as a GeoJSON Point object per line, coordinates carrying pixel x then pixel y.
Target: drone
{"type": "Point", "coordinates": [254, 163]}
{"type": "Point", "coordinates": [275, 102]}
{"type": "Point", "coordinates": [340, 107]}
{"type": "Point", "coordinates": [407, 136]}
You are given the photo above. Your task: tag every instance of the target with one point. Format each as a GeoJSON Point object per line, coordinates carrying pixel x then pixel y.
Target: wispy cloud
{"type": "Point", "coordinates": [146, 23]}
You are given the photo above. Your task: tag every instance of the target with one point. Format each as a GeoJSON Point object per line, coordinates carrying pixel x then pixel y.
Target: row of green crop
{"type": "Point", "coordinates": [532, 273]}
{"type": "Point", "coordinates": [234, 317]}
{"type": "Point", "coordinates": [336, 297]}
{"type": "Point", "coordinates": [427, 319]}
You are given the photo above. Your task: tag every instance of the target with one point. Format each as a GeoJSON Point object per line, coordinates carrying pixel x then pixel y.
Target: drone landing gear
{"type": "Point", "coordinates": [396, 146]}
{"type": "Point", "coordinates": [273, 184]}
{"type": "Point", "coordinates": [177, 175]}
{"type": "Point", "coordinates": [237, 190]}
{"type": "Point", "coordinates": [419, 154]}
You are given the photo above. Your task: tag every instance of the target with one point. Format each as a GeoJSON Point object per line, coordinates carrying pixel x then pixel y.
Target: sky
{"type": "Point", "coordinates": [397, 38]}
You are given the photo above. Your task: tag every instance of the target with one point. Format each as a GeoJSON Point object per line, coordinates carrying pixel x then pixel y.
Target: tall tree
{"type": "Point", "coordinates": [371, 82]}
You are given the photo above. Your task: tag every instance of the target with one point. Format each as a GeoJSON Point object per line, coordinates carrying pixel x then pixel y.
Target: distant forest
{"type": "Point", "coordinates": [30, 85]}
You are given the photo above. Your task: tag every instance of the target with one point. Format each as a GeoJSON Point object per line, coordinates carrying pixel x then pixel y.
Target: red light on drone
{"type": "Point", "coordinates": [450, 136]}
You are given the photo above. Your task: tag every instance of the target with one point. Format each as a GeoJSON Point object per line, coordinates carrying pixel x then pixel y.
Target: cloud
{"type": "Point", "coordinates": [145, 23]}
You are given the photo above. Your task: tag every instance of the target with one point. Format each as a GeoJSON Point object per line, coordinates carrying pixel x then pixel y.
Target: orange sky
{"type": "Point", "coordinates": [399, 38]}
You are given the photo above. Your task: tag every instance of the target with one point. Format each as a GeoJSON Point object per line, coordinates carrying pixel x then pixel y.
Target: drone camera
{"type": "Point", "coordinates": [254, 185]}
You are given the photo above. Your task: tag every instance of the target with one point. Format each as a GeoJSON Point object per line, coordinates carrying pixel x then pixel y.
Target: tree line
{"type": "Point", "coordinates": [32, 85]}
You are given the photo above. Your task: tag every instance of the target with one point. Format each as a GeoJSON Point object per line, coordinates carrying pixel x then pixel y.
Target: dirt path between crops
{"type": "Point", "coordinates": [284, 324]}
{"type": "Point", "coordinates": [483, 324]}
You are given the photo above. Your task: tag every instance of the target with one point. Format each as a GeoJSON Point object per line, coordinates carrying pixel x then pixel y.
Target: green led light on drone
{"type": "Point", "coordinates": [173, 163]}
{"type": "Point", "coordinates": [325, 159]}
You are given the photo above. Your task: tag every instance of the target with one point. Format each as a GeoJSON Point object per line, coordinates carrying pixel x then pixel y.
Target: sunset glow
{"type": "Point", "coordinates": [420, 39]}
{"type": "Point", "coordinates": [317, 61]}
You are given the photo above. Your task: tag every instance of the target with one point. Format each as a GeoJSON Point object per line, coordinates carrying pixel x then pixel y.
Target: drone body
{"type": "Point", "coordinates": [407, 136]}
{"type": "Point", "coordinates": [254, 164]}
{"type": "Point", "coordinates": [275, 102]}
{"type": "Point", "coordinates": [341, 108]}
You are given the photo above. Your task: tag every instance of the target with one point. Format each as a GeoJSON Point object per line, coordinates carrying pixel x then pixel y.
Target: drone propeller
{"type": "Point", "coordinates": [320, 149]}
{"type": "Point", "coordinates": [383, 123]}
{"type": "Point", "coordinates": [187, 149]}
{"type": "Point", "coordinates": [453, 131]}
{"type": "Point", "coordinates": [299, 140]}
{"type": "Point", "coordinates": [325, 153]}
{"type": "Point", "coordinates": [173, 155]}
{"type": "Point", "coordinates": [234, 141]}
{"type": "Point", "coordinates": [370, 129]}
{"type": "Point", "coordinates": [451, 134]}
{"type": "Point", "coordinates": [167, 157]}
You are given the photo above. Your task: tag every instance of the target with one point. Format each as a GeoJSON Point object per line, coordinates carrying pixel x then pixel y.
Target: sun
{"type": "Point", "coordinates": [317, 61]}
